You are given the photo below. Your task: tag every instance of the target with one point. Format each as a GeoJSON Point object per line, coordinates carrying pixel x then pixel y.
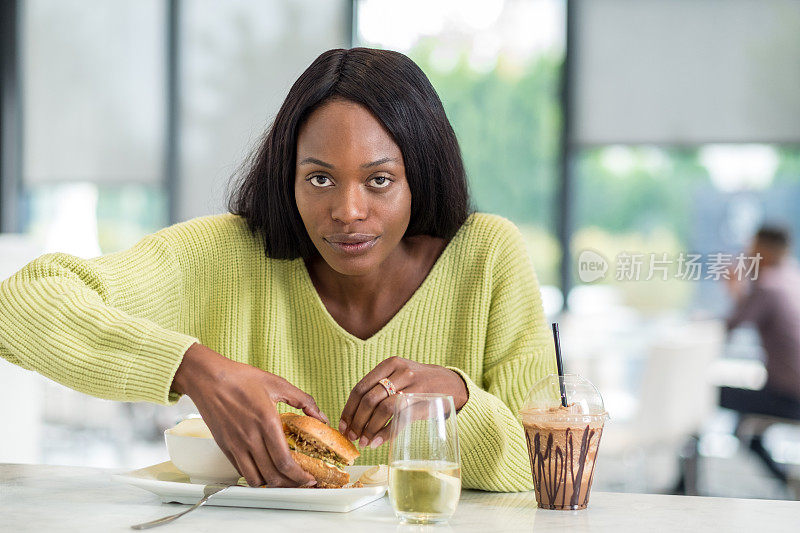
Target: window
{"type": "Point", "coordinates": [239, 59]}
{"type": "Point", "coordinates": [496, 66]}
{"type": "Point", "coordinates": [704, 200]}
{"type": "Point", "coordinates": [93, 131]}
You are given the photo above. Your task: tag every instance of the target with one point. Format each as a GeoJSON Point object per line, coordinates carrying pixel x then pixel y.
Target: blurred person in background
{"type": "Point", "coordinates": [771, 302]}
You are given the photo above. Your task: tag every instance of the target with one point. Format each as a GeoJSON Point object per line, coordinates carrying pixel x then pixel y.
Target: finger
{"type": "Point", "coordinates": [269, 473]}
{"type": "Point", "coordinates": [381, 370]}
{"type": "Point", "coordinates": [417, 412]}
{"type": "Point", "coordinates": [232, 460]}
{"type": "Point", "coordinates": [379, 419]}
{"type": "Point", "coordinates": [239, 461]}
{"type": "Point", "coordinates": [248, 468]}
{"type": "Point", "coordinates": [371, 400]}
{"type": "Point", "coordinates": [299, 399]}
{"type": "Point", "coordinates": [364, 411]}
{"type": "Point", "coordinates": [278, 451]}
{"type": "Point", "coordinates": [381, 437]}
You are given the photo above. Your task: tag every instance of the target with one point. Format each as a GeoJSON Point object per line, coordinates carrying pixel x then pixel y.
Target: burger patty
{"type": "Point", "coordinates": [297, 444]}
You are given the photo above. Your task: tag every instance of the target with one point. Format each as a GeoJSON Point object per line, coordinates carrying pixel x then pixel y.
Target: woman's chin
{"type": "Point", "coordinates": [355, 267]}
{"type": "Point", "coordinates": [352, 263]}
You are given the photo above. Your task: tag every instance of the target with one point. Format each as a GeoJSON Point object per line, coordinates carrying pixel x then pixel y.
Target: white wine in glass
{"type": "Point", "coordinates": [424, 464]}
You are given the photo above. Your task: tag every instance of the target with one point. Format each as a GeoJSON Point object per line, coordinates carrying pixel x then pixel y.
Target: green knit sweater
{"type": "Point", "coordinates": [117, 327]}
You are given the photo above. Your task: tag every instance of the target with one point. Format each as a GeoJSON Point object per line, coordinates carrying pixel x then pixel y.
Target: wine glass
{"type": "Point", "coordinates": [424, 462]}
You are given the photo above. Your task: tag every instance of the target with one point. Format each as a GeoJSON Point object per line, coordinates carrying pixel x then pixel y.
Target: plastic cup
{"type": "Point", "coordinates": [563, 441]}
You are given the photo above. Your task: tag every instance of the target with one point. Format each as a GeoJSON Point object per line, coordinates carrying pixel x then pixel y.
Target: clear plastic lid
{"type": "Point", "coordinates": [584, 402]}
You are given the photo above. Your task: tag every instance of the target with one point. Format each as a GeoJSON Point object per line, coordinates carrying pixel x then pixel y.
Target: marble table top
{"type": "Point", "coordinates": [64, 498]}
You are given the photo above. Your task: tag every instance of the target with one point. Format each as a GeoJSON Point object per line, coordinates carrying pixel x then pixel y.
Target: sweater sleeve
{"type": "Point", "coordinates": [107, 326]}
{"type": "Point", "coordinates": [519, 351]}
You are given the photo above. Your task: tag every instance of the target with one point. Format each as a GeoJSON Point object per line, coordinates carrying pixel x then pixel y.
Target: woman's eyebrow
{"type": "Point", "coordinates": [315, 161]}
{"type": "Point", "coordinates": [379, 162]}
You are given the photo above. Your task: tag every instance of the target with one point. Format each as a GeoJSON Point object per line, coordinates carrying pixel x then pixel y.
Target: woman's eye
{"type": "Point", "coordinates": [316, 181]}
{"type": "Point", "coordinates": [381, 181]}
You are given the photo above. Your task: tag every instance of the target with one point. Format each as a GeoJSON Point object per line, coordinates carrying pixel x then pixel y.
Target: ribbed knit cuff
{"type": "Point", "coordinates": [493, 454]}
{"type": "Point", "coordinates": [150, 375]}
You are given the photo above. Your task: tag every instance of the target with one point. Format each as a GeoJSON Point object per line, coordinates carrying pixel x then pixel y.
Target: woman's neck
{"type": "Point", "coordinates": [402, 272]}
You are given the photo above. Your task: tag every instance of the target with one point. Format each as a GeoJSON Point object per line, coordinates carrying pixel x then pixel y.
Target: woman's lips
{"type": "Point", "coordinates": [354, 248]}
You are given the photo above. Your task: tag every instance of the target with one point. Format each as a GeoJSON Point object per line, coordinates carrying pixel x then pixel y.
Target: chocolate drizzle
{"type": "Point", "coordinates": [554, 469]}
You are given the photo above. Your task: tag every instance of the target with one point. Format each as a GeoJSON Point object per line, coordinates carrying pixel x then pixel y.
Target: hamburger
{"type": "Point", "coordinates": [319, 449]}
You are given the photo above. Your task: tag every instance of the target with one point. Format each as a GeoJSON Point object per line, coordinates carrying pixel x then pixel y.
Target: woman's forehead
{"type": "Point", "coordinates": [345, 129]}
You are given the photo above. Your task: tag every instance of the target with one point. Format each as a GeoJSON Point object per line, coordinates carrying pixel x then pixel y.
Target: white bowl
{"type": "Point", "coordinates": [200, 458]}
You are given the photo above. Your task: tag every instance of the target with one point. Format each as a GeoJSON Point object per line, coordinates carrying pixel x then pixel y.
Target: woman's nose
{"type": "Point", "coordinates": [349, 206]}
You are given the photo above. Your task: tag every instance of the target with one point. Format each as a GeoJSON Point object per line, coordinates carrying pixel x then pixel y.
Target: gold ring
{"type": "Point", "coordinates": [389, 386]}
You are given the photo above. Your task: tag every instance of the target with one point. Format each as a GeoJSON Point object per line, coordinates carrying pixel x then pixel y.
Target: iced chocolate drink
{"type": "Point", "coordinates": [562, 457]}
{"type": "Point", "coordinates": [563, 441]}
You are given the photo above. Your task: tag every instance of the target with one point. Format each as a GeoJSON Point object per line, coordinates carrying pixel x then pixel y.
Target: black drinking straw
{"type": "Point", "coordinates": [559, 365]}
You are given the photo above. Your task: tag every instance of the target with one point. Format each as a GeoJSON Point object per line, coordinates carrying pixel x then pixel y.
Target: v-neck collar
{"type": "Point", "coordinates": [305, 279]}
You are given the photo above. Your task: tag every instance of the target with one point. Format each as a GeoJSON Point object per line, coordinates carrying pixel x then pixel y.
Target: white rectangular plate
{"type": "Point", "coordinates": [172, 485]}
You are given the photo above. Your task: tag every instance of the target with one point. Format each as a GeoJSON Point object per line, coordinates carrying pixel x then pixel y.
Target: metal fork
{"type": "Point", "coordinates": [208, 491]}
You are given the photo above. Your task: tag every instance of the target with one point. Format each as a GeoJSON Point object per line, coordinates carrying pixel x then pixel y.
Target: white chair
{"type": "Point", "coordinates": [675, 399]}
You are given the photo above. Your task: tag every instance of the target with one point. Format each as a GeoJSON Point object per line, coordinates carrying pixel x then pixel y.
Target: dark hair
{"type": "Point", "coordinates": [774, 235]}
{"type": "Point", "coordinates": [396, 91]}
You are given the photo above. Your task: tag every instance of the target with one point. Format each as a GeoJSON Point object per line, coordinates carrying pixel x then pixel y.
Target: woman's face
{"type": "Point", "coordinates": [350, 186]}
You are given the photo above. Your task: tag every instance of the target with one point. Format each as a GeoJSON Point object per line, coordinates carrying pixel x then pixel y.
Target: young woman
{"type": "Point", "coordinates": [350, 268]}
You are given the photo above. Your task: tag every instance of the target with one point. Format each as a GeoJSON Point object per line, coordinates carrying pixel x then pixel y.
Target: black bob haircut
{"type": "Point", "coordinates": [396, 91]}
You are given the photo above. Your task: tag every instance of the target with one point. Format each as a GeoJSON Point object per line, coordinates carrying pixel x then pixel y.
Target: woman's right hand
{"type": "Point", "coordinates": [237, 402]}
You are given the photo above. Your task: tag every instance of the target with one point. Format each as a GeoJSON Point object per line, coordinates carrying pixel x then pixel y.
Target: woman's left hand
{"type": "Point", "coordinates": [369, 407]}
